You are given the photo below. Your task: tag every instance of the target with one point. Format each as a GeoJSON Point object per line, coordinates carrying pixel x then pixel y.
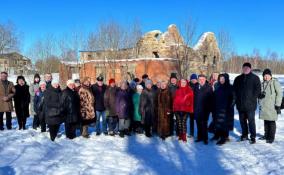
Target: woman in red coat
{"type": "Point", "coordinates": [182, 105]}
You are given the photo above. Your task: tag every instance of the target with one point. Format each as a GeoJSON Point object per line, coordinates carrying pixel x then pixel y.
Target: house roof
{"type": "Point", "coordinates": [13, 56]}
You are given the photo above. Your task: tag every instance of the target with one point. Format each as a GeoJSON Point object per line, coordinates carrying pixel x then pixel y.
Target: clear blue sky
{"type": "Point", "coordinates": [252, 23]}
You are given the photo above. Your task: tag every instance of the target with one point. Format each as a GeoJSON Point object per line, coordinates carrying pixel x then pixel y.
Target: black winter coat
{"type": "Point", "coordinates": [172, 88]}
{"type": "Point", "coordinates": [247, 89]}
{"type": "Point", "coordinates": [38, 104]}
{"type": "Point", "coordinates": [148, 106]}
{"type": "Point", "coordinates": [52, 107]}
{"type": "Point", "coordinates": [203, 101]}
{"type": "Point", "coordinates": [223, 110]}
{"type": "Point", "coordinates": [70, 103]}
{"type": "Point", "coordinates": [22, 100]}
{"type": "Point", "coordinates": [98, 93]}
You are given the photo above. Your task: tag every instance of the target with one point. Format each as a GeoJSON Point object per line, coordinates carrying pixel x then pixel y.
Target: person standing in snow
{"type": "Point", "coordinates": [70, 103]}
{"type": "Point", "coordinates": [122, 105]}
{"type": "Point", "coordinates": [247, 87]}
{"type": "Point", "coordinates": [137, 116]}
{"type": "Point", "coordinates": [147, 108]}
{"type": "Point", "coordinates": [98, 90]}
{"type": "Point", "coordinates": [87, 103]}
{"type": "Point", "coordinates": [52, 107]}
{"type": "Point", "coordinates": [22, 101]}
{"type": "Point", "coordinates": [165, 106]}
{"type": "Point", "coordinates": [48, 79]}
{"type": "Point", "coordinates": [203, 95]}
{"type": "Point", "coordinates": [213, 82]}
{"type": "Point", "coordinates": [39, 105]}
{"type": "Point", "coordinates": [173, 86]}
{"type": "Point", "coordinates": [223, 110]}
{"type": "Point", "coordinates": [182, 106]}
{"type": "Point", "coordinates": [193, 82]}
{"type": "Point", "coordinates": [34, 88]}
{"type": "Point", "coordinates": [7, 91]}
{"type": "Point", "coordinates": [270, 102]}
{"type": "Point", "coordinates": [109, 102]}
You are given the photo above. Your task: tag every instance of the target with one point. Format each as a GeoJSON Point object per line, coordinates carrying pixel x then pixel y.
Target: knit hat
{"type": "Point", "coordinates": [145, 76]}
{"type": "Point", "coordinates": [193, 77]}
{"type": "Point", "coordinates": [77, 80]}
{"type": "Point", "coordinates": [173, 75]}
{"type": "Point", "coordinates": [42, 83]}
{"type": "Point", "coordinates": [55, 81]}
{"type": "Point", "coordinates": [100, 78]}
{"type": "Point", "coordinates": [148, 82]}
{"type": "Point", "coordinates": [70, 82]}
{"type": "Point", "coordinates": [247, 64]}
{"type": "Point", "coordinates": [139, 87]}
{"type": "Point", "coordinates": [267, 72]}
{"type": "Point", "coordinates": [132, 84]}
{"type": "Point", "coordinates": [110, 81]}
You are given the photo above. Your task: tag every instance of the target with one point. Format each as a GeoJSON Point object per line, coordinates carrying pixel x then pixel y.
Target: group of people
{"type": "Point", "coordinates": [161, 109]}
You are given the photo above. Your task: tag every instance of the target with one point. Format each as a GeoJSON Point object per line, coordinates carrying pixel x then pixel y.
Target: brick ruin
{"type": "Point", "coordinates": [154, 54]}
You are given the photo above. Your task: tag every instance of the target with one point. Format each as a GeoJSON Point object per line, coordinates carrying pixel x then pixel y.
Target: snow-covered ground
{"type": "Point", "coordinates": [31, 152]}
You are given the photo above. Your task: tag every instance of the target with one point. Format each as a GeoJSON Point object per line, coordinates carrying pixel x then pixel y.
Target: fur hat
{"type": "Point", "coordinates": [173, 75]}
{"type": "Point", "coordinates": [70, 82]}
{"type": "Point", "coordinates": [267, 72]}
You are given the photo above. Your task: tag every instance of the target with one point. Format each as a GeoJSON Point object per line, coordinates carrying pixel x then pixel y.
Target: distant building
{"type": "Point", "coordinates": [156, 54]}
{"type": "Point", "coordinates": [15, 63]}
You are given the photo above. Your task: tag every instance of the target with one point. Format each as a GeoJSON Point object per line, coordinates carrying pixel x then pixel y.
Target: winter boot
{"type": "Point", "coordinates": [121, 134]}
{"type": "Point", "coordinates": [184, 137]}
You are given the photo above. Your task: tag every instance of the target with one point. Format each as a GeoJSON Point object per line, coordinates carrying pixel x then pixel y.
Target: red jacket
{"type": "Point", "coordinates": [183, 100]}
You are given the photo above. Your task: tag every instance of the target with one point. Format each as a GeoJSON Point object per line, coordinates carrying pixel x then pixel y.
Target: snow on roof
{"type": "Point", "coordinates": [172, 25]}
{"type": "Point", "coordinates": [201, 40]}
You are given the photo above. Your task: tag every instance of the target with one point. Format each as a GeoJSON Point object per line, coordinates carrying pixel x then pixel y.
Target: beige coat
{"type": "Point", "coordinates": [8, 91]}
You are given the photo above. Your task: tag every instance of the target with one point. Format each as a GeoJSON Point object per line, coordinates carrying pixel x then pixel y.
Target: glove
{"type": "Point", "coordinates": [278, 109]}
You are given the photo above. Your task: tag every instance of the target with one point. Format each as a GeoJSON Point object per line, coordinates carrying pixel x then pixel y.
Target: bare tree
{"type": "Point", "coordinates": [226, 46]}
{"type": "Point", "coordinates": [115, 42]}
{"type": "Point", "coordinates": [9, 38]}
{"type": "Point", "coordinates": [181, 47]}
{"type": "Point", "coordinates": [43, 51]}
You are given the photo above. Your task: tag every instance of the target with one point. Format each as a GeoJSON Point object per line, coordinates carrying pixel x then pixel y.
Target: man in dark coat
{"type": "Point", "coordinates": [98, 90]}
{"type": "Point", "coordinates": [223, 110]}
{"type": "Point", "coordinates": [52, 108]}
{"type": "Point", "coordinates": [247, 87]}
{"type": "Point", "coordinates": [145, 77]}
{"type": "Point", "coordinates": [203, 95]}
{"type": "Point", "coordinates": [192, 83]}
{"type": "Point", "coordinates": [70, 103]}
{"type": "Point", "coordinates": [109, 101]}
{"type": "Point", "coordinates": [22, 101]}
{"type": "Point", "coordinates": [48, 79]}
{"type": "Point", "coordinates": [147, 107]}
{"type": "Point", "coordinates": [173, 86]}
